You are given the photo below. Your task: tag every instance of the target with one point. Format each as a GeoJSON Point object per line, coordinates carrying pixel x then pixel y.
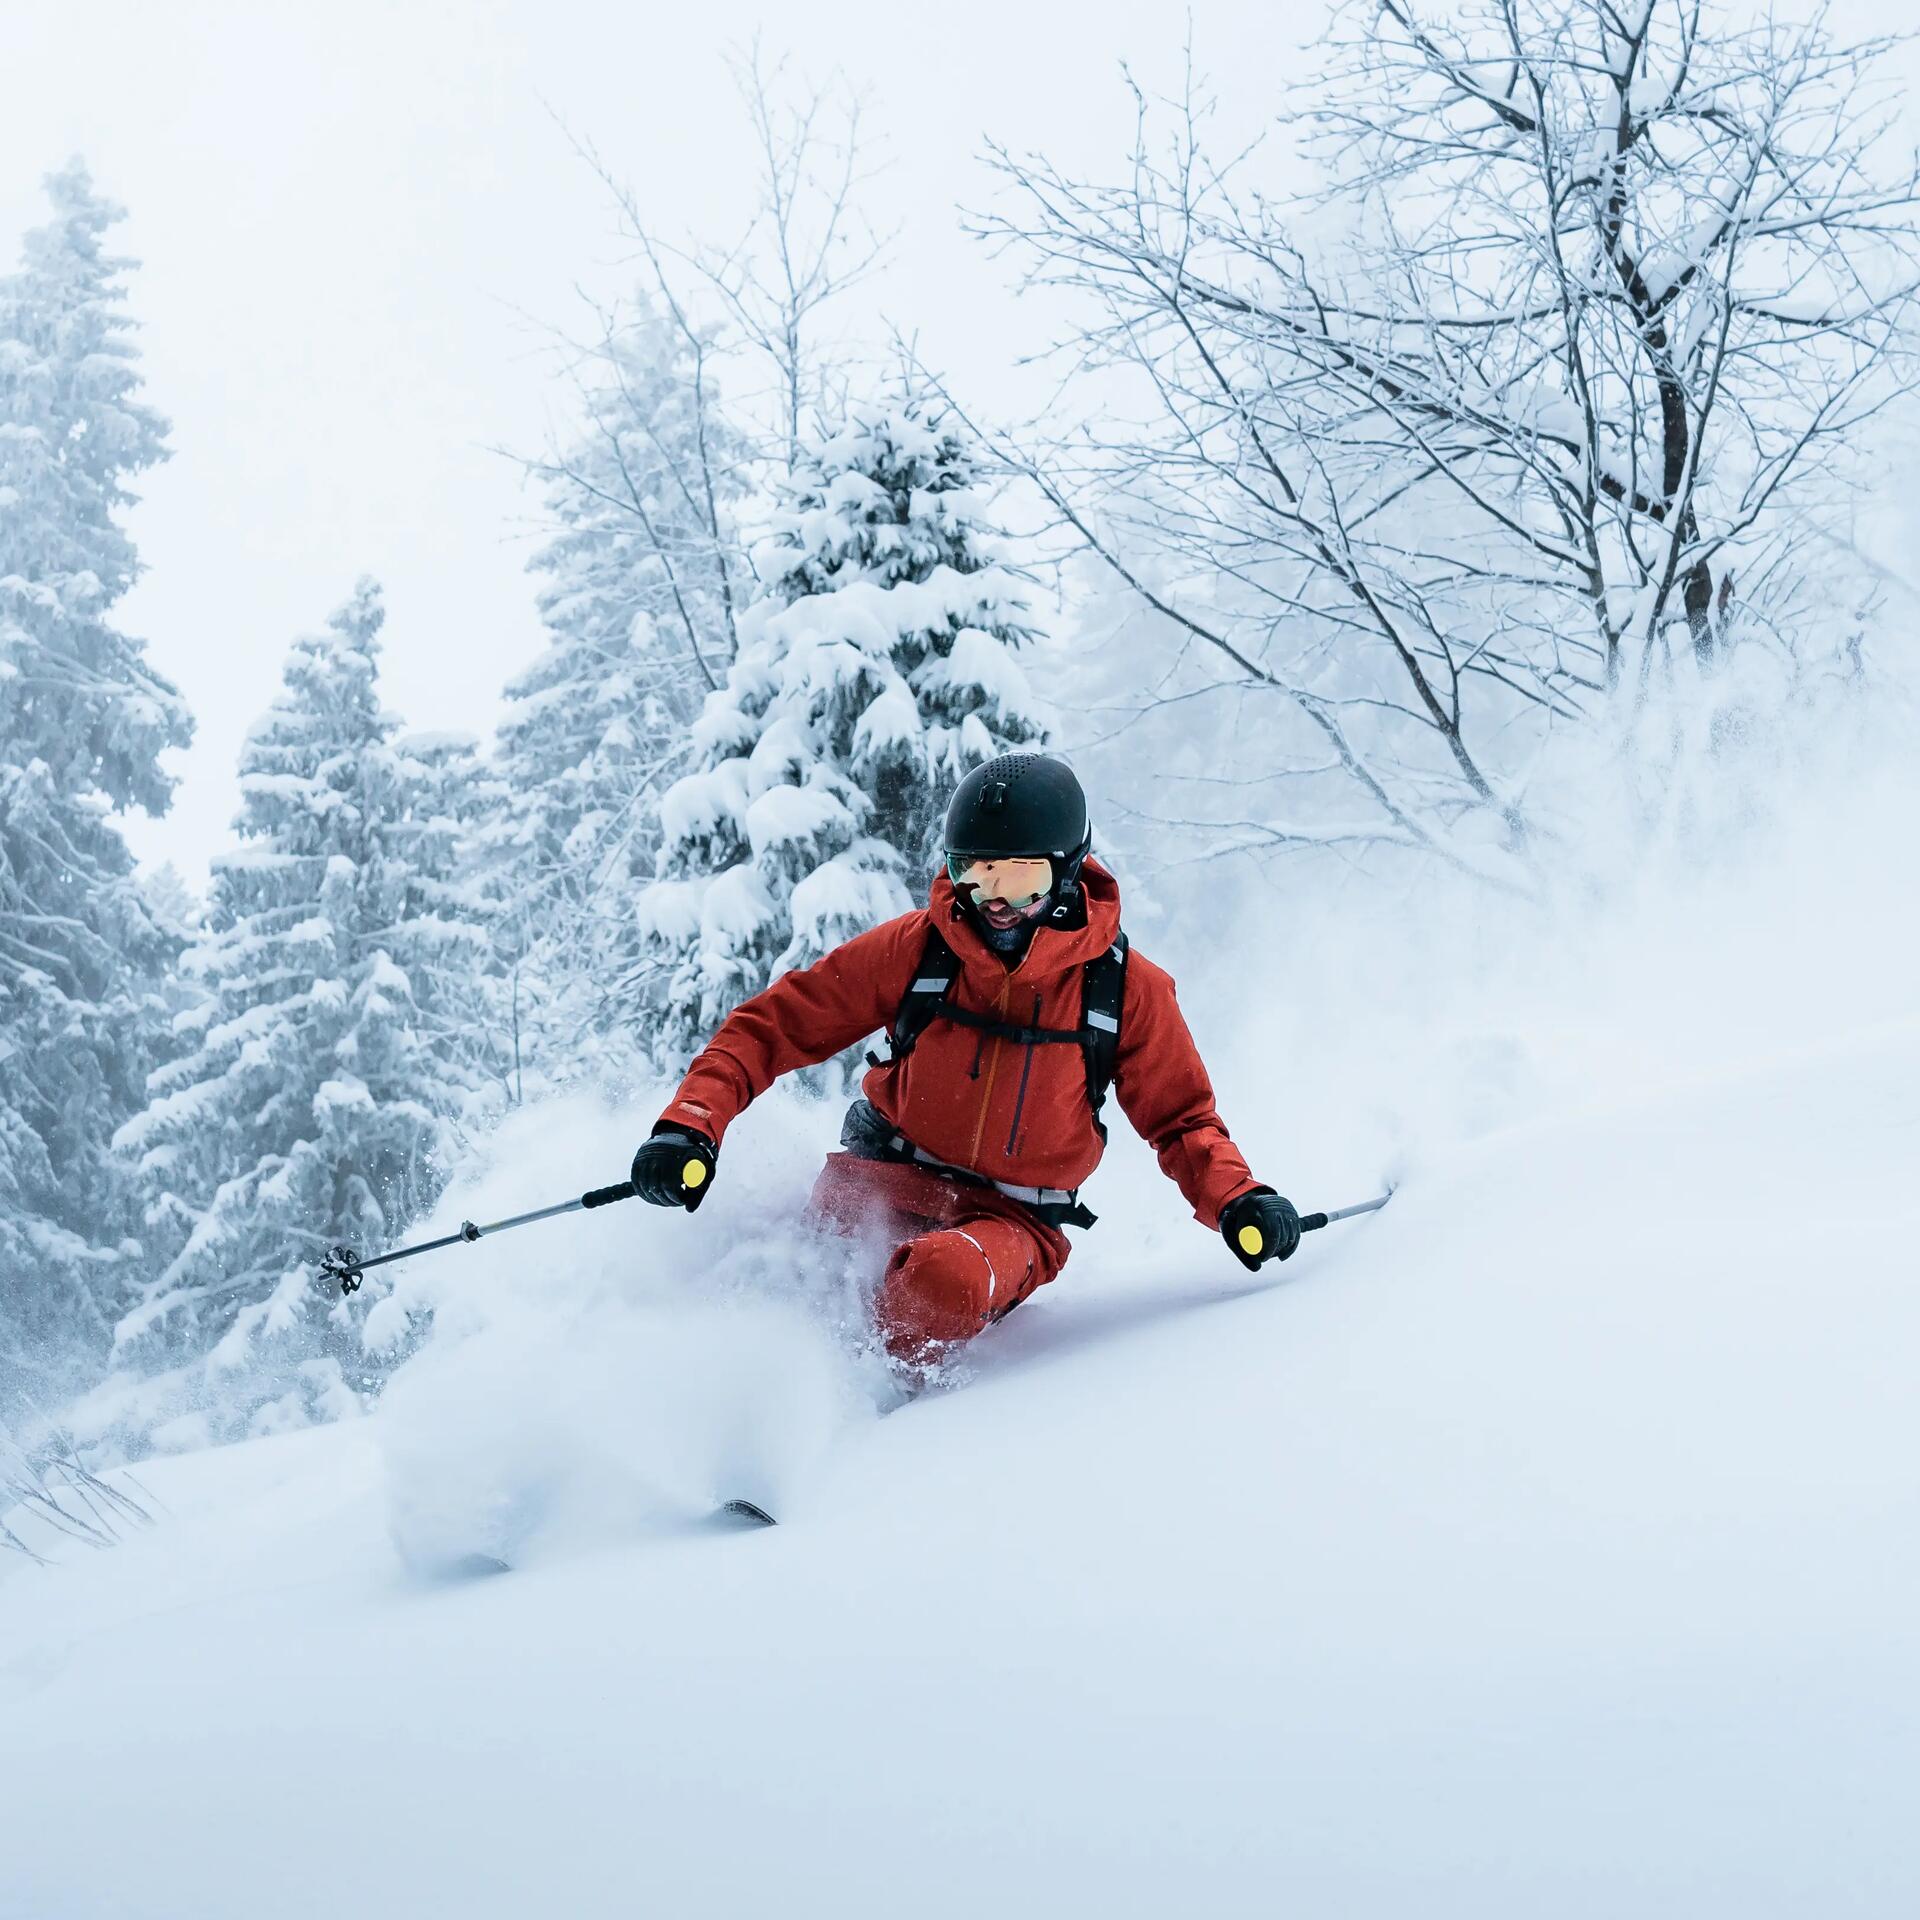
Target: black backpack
{"type": "Point", "coordinates": [1103, 990]}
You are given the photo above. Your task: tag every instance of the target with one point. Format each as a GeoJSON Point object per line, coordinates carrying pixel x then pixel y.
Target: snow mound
{"type": "Point", "coordinates": [606, 1376]}
{"type": "Point", "coordinates": [557, 1436]}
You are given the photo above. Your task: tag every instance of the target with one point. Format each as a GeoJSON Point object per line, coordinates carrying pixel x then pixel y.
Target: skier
{"type": "Point", "coordinates": [1012, 1000]}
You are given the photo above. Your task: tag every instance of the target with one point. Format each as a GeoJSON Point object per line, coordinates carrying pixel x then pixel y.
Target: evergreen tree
{"type": "Point", "coordinates": [446, 942]}
{"type": "Point", "coordinates": [877, 670]}
{"type": "Point", "coordinates": [172, 903]}
{"type": "Point", "coordinates": [83, 720]}
{"type": "Point", "coordinates": [638, 600]}
{"type": "Point", "coordinates": [329, 1064]}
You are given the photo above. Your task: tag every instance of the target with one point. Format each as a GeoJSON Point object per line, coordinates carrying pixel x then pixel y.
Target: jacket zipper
{"type": "Point", "coordinates": [1026, 1070]}
{"type": "Point", "coordinates": [993, 1071]}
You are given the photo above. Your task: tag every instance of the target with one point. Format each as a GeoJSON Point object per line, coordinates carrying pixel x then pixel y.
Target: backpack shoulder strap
{"type": "Point", "coordinates": [1103, 992]}
{"type": "Point", "coordinates": [1103, 995]}
{"type": "Point", "coordinates": [932, 981]}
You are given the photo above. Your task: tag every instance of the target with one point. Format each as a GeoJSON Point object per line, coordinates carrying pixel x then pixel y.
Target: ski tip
{"type": "Point", "coordinates": [746, 1511]}
{"type": "Point", "coordinates": [456, 1569]}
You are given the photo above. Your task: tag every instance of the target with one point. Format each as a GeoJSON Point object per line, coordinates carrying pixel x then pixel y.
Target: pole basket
{"type": "Point", "coordinates": [342, 1264]}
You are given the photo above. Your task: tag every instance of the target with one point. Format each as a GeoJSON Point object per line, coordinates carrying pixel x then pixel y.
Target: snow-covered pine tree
{"type": "Point", "coordinates": [877, 670]}
{"type": "Point", "coordinates": [175, 907]}
{"type": "Point", "coordinates": [445, 942]}
{"type": "Point", "coordinates": [83, 720]}
{"type": "Point", "coordinates": [638, 598]}
{"type": "Point", "coordinates": [326, 1070]}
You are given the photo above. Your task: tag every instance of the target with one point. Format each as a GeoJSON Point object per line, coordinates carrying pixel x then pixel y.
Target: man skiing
{"type": "Point", "coordinates": [1012, 1000]}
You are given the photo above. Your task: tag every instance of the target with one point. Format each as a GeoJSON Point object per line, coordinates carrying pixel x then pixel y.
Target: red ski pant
{"type": "Point", "coordinates": [957, 1256]}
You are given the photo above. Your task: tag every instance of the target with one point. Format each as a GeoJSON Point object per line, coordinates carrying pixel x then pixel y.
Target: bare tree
{"type": "Point", "coordinates": [649, 496]}
{"type": "Point", "coordinates": [806, 244]}
{"type": "Point", "coordinates": [759, 298]}
{"type": "Point", "coordinates": [652, 462]}
{"type": "Point", "coordinates": [1550, 375]}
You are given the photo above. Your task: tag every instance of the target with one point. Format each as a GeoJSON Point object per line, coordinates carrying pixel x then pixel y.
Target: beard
{"type": "Point", "coordinates": [1008, 927]}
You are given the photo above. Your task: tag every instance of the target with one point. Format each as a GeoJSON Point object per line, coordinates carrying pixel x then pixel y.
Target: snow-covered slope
{"type": "Point", "coordinates": [1548, 1544]}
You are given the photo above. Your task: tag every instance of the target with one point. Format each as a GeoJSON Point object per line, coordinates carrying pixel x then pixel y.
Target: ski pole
{"type": "Point", "coordinates": [1253, 1243]}
{"type": "Point", "coordinates": [1311, 1222]}
{"type": "Point", "coordinates": [346, 1266]}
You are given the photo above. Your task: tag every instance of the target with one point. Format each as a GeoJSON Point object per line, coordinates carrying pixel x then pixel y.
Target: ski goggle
{"type": "Point", "coordinates": [1019, 880]}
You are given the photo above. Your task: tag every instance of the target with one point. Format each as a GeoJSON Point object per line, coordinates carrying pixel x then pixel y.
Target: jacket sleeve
{"type": "Point", "coordinates": [1165, 1093]}
{"type": "Point", "coordinates": [804, 1017]}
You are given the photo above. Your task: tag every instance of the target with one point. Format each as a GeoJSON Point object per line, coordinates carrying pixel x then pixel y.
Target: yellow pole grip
{"type": "Point", "coordinates": [694, 1174]}
{"type": "Point", "coordinates": [1252, 1241]}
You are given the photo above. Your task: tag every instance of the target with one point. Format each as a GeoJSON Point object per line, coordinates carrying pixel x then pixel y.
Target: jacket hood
{"type": "Point", "coordinates": [1053, 949]}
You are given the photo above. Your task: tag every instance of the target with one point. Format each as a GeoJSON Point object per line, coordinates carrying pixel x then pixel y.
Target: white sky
{"type": "Point", "coordinates": [346, 212]}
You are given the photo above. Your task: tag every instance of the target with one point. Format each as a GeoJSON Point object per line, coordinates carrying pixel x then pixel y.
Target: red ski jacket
{"type": "Point", "coordinates": [1010, 1111]}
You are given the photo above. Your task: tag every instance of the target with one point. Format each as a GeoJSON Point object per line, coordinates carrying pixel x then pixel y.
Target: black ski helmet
{"type": "Point", "coordinates": [1023, 806]}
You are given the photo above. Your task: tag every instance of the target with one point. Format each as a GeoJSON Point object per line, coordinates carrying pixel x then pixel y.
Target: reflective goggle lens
{"type": "Point", "coordinates": [1018, 880]}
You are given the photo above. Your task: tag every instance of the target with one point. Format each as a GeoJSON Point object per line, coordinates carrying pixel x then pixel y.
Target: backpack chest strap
{"type": "Point", "coordinates": [1020, 1036]}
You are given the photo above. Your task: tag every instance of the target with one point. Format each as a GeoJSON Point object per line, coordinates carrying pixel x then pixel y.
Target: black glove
{"type": "Point", "coordinates": [675, 1167]}
{"type": "Point", "coordinates": [1260, 1226]}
